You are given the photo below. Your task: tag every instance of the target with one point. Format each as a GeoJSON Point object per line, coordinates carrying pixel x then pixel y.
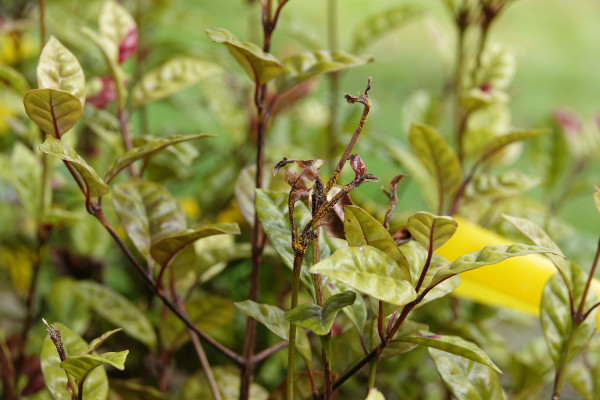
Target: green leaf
{"type": "Point", "coordinates": [439, 159]}
{"type": "Point", "coordinates": [119, 311]}
{"type": "Point", "coordinates": [317, 319]}
{"type": "Point", "coordinates": [165, 249]}
{"type": "Point", "coordinates": [362, 229]}
{"type": "Point", "coordinates": [104, 124]}
{"type": "Point", "coordinates": [375, 394]}
{"type": "Point", "coordinates": [499, 142]}
{"type": "Point", "coordinates": [208, 313]}
{"type": "Point", "coordinates": [274, 319]}
{"type": "Point", "coordinates": [564, 337]}
{"type": "Point", "coordinates": [26, 177]}
{"type": "Point", "coordinates": [59, 69]}
{"type": "Point", "coordinates": [115, 22]}
{"type": "Point", "coordinates": [170, 78]}
{"type": "Point", "coordinates": [488, 255]}
{"type": "Point", "coordinates": [550, 156]}
{"type": "Point", "coordinates": [585, 379]}
{"type": "Point", "coordinates": [147, 211]}
{"type": "Point", "coordinates": [261, 67]}
{"type": "Point", "coordinates": [81, 366]}
{"type": "Point", "coordinates": [94, 185]}
{"type": "Point", "coordinates": [357, 311]}
{"type": "Point", "coordinates": [369, 270]}
{"type": "Point", "coordinates": [378, 25]}
{"type": "Point", "coordinates": [148, 149]}
{"type": "Point", "coordinates": [540, 238]}
{"type": "Point", "coordinates": [508, 184]}
{"type": "Point", "coordinates": [303, 66]}
{"type": "Point", "coordinates": [431, 231]}
{"type": "Point", "coordinates": [417, 256]}
{"type": "Point", "coordinates": [94, 344]}
{"type": "Point", "coordinates": [66, 304]}
{"type": "Point", "coordinates": [466, 379]}
{"type": "Point", "coordinates": [95, 386]}
{"type": "Point", "coordinates": [451, 344]}
{"type": "Point", "coordinates": [415, 170]}
{"type": "Point", "coordinates": [54, 111]}
{"type": "Point", "coordinates": [14, 79]}
{"type": "Point", "coordinates": [271, 208]}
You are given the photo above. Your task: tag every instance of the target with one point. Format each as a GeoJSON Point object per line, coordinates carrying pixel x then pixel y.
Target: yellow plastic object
{"type": "Point", "coordinates": [515, 283]}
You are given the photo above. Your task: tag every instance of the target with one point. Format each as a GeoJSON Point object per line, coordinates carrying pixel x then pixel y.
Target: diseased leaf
{"type": "Point", "coordinates": [116, 309]}
{"type": "Point", "coordinates": [540, 238]}
{"type": "Point", "coordinates": [369, 270]}
{"type": "Point", "coordinates": [439, 159]}
{"type": "Point", "coordinates": [271, 208]}
{"type": "Point", "coordinates": [80, 366]}
{"type": "Point", "coordinates": [317, 319]}
{"type": "Point", "coordinates": [54, 111]}
{"type": "Point", "coordinates": [163, 250]}
{"type": "Point", "coordinates": [148, 212]}
{"type": "Point", "coordinates": [564, 337]}
{"type": "Point", "coordinates": [171, 77]}
{"type": "Point", "coordinates": [466, 379]}
{"type": "Point", "coordinates": [95, 386]}
{"type": "Point", "coordinates": [93, 184]}
{"type": "Point", "coordinates": [59, 69]}
{"type": "Point", "coordinates": [303, 66]}
{"type": "Point", "coordinates": [274, 319]}
{"type": "Point", "coordinates": [377, 25]}
{"type": "Point", "coordinates": [451, 344]}
{"type": "Point", "coordinates": [148, 149]}
{"type": "Point", "coordinates": [431, 231]}
{"type": "Point", "coordinates": [261, 67]}
{"type": "Point", "coordinates": [362, 229]}
{"type": "Point", "coordinates": [488, 255]}
{"type": "Point", "coordinates": [499, 142]}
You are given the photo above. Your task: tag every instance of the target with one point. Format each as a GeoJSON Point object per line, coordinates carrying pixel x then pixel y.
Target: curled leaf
{"type": "Point", "coordinates": [320, 319]}
{"type": "Point", "coordinates": [261, 67]}
{"type": "Point", "coordinates": [431, 231]}
{"type": "Point", "coordinates": [95, 187]}
{"type": "Point", "coordinates": [303, 66]}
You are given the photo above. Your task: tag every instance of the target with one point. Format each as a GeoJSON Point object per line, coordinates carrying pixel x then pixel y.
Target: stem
{"type": "Point", "coordinates": [579, 316]}
{"type": "Point", "coordinates": [364, 100]}
{"type": "Point", "coordinates": [258, 357]}
{"type": "Point", "coordinates": [562, 364]}
{"type": "Point", "coordinates": [372, 375]}
{"type": "Point", "coordinates": [237, 359]}
{"type": "Point", "coordinates": [459, 88]}
{"type": "Point", "coordinates": [212, 383]}
{"type": "Point", "coordinates": [461, 192]}
{"type": "Point", "coordinates": [298, 258]}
